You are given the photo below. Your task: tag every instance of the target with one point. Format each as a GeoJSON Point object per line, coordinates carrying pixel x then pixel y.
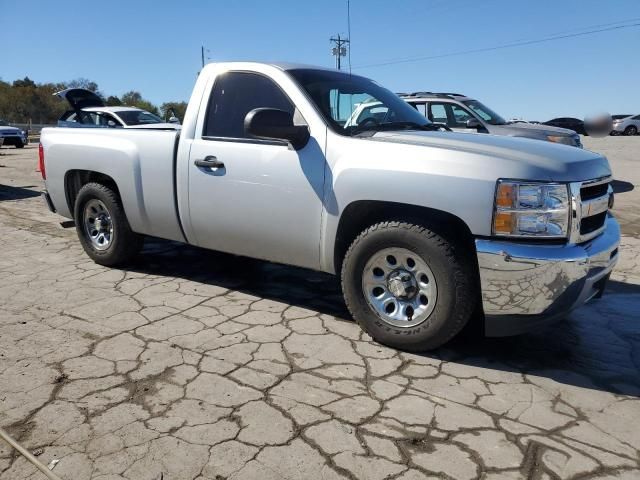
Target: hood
{"type": "Point", "coordinates": [535, 160]}
{"type": "Point", "coordinates": [156, 126]}
{"type": "Point", "coordinates": [535, 128]}
{"type": "Point", "coordinates": [7, 128]}
{"type": "Point", "coordinates": [79, 98]}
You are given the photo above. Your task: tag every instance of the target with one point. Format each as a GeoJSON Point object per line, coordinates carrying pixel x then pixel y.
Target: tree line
{"type": "Point", "coordinates": [25, 101]}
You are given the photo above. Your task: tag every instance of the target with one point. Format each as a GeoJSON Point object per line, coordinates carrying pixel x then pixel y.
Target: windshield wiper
{"type": "Point", "coordinates": [389, 126]}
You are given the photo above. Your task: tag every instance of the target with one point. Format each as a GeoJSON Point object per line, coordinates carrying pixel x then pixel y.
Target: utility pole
{"type": "Point", "coordinates": [202, 52]}
{"type": "Point", "coordinates": [340, 49]}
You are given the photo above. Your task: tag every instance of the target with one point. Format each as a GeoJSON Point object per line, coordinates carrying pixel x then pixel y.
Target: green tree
{"type": "Point", "coordinates": [169, 109]}
{"type": "Point", "coordinates": [113, 101]}
{"type": "Point", "coordinates": [25, 82]}
{"type": "Point", "coordinates": [24, 100]}
{"type": "Point", "coordinates": [134, 99]}
{"type": "Point", "coordinates": [84, 83]}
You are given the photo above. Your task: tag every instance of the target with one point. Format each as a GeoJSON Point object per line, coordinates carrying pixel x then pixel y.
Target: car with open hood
{"type": "Point", "coordinates": [89, 110]}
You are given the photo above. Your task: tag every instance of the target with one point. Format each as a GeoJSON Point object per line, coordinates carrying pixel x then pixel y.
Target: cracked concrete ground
{"type": "Point", "coordinates": [199, 365]}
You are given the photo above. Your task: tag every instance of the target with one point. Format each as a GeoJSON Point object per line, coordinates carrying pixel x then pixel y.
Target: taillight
{"type": "Point", "coordinates": [41, 162]}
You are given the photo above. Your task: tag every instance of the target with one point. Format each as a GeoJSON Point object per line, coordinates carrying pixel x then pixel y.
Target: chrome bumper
{"type": "Point", "coordinates": [525, 286]}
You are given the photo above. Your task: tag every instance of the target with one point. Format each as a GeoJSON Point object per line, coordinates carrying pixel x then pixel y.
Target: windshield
{"type": "Point", "coordinates": [138, 117]}
{"type": "Point", "coordinates": [485, 112]}
{"type": "Point", "coordinates": [352, 104]}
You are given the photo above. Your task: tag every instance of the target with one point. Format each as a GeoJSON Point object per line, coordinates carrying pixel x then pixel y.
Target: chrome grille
{"type": "Point", "coordinates": [590, 208]}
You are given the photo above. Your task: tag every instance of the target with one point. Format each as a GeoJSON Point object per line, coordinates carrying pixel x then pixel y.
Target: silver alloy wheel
{"type": "Point", "coordinates": [400, 287]}
{"type": "Point", "coordinates": [98, 224]}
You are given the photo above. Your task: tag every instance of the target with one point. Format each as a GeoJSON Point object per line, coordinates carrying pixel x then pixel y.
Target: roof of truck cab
{"type": "Point", "coordinates": [280, 65]}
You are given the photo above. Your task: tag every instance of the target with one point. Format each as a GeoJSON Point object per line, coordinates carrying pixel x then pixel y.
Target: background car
{"type": "Point", "coordinates": [570, 123]}
{"type": "Point", "coordinates": [465, 114]}
{"type": "Point", "coordinates": [626, 124]}
{"type": "Point", "coordinates": [88, 109]}
{"type": "Point", "coordinates": [12, 135]}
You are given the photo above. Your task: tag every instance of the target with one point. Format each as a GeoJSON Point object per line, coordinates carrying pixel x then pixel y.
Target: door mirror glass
{"type": "Point", "coordinates": [473, 123]}
{"type": "Point", "coordinates": [274, 124]}
{"type": "Point", "coordinates": [175, 120]}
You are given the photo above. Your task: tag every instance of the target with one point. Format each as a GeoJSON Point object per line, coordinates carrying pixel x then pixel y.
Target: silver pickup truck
{"type": "Point", "coordinates": [424, 227]}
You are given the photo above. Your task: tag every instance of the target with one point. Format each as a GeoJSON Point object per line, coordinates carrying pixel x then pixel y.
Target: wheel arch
{"type": "Point", "coordinates": [360, 214]}
{"type": "Point", "coordinates": [75, 179]}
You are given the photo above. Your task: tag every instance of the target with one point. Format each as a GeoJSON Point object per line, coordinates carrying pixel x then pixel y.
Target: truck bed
{"type": "Point", "coordinates": [141, 162]}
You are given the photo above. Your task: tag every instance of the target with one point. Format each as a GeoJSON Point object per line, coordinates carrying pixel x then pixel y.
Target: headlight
{"type": "Point", "coordinates": [561, 139]}
{"type": "Point", "coordinates": [527, 209]}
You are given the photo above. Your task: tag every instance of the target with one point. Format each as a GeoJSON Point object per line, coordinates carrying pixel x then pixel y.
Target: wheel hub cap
{"type": "Point", "coordinates": [399, 287]}
{"type": "Point", "coordinates": [402, 284]}
{"type": "Point", "coordinates": [97, 224]}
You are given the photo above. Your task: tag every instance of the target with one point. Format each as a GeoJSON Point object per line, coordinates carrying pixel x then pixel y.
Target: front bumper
{"type": "Point", "coordinates": [525, 286]}
{"type": "Point", "coordinates": [13, 140]}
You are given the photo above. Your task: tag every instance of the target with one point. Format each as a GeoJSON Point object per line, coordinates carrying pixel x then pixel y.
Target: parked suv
{"type": "Point", "coordinates": [628, 125]}
{"type": "Point", "coordinates": [12, 135]}
{"type": "Point", "coordinates": [461, 113]}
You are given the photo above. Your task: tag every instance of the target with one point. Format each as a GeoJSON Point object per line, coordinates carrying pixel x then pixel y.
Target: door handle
{"type": "Point", "coordinates": [209, 162]}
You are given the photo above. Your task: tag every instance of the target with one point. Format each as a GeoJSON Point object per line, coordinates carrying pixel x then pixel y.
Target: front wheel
{"type": "Point", "coordinates": [102, 226]}
{"type": "Point", "coordinates": [631, 130]}
{"type": "Point", "coordinates": [407, 286]}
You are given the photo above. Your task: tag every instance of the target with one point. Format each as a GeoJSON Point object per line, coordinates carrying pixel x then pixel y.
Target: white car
{"type": "Point", "coordinates": [12, 135]}
{"type": "Point", "coordinates": [626, 125]}
{"type": "Point", "coordinates": [88, 110]}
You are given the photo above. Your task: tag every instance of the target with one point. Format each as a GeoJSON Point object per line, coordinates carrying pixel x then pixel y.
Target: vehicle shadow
{"type": "Point", "coordinates": [589, 349]}
{"type": "Point", "coordinates": [614, 286]}
{"type": "Point", "coordinates": [621, 186]}
{"type": "Point", "coordinates": [8, 192]}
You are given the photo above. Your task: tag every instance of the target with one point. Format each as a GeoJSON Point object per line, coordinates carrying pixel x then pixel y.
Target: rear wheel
{"type": "Point", "coordinates": [631, 130]}
{"type": "Point", "coordinates": [19, 144]}
{"type": "Point", "coordinates": [102, 226]}
{"type": "Point", "coordinates": [407, 286]}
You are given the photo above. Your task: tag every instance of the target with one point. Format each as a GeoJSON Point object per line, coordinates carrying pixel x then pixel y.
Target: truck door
{"type": "Point", "coordinates": [259, 198]}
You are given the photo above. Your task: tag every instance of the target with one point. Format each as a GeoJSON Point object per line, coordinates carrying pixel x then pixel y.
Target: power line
{"type": "Point", "coordinates": [579, 29]}
{"type": "Point", "coordinates": [497, 47]}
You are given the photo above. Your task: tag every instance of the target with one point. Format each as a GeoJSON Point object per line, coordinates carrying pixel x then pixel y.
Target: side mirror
{"type": "Point", "coordinates": [473, 123]}
{"type": "Point", "coordinates": [274, 124]}
{"type": "Point", "coordinates": [111, 124]}
{"type": "Point", "coordinates": [174, 120]}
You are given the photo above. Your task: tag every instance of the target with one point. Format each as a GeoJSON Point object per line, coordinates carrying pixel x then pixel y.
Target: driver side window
{"type": "Point", "coordinates": [234, 95]}
{"type": "Point", "coordinates": [460, 117]}
{"type": "Point", "coordinates": [452, 115]}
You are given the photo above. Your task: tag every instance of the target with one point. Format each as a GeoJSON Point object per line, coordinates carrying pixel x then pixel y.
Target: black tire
{"type": "Point", "coordinates": [631, 130]}
{"type": "Point", "coordinates": [453, 269]}
{"type": "Point", "coordinates": [19, 145]}
{"type": "Point", "coordinates": [125, 244]}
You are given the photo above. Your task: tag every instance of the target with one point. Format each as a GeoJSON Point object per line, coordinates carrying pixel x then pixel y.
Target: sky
{"type": "Point", "coordinates": [154, 46]}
